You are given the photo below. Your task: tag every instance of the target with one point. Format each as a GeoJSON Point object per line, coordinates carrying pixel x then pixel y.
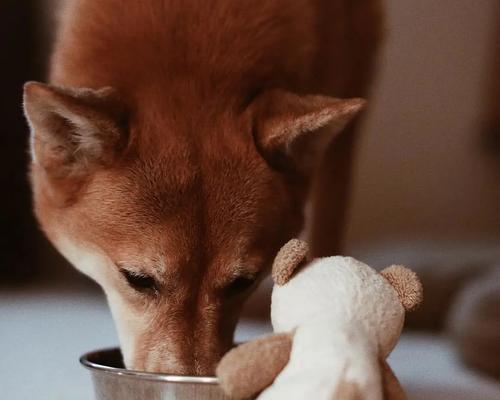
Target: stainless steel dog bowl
{"type": "Point", "coordinates": [113, 382]}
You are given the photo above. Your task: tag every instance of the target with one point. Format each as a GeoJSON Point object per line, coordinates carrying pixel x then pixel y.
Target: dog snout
{"type": "Point", "coordinates": [189, 347]}
{"type": "Point", "coordinates": [194, 359]}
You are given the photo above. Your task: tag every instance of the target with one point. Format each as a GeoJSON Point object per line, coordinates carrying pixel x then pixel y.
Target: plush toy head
{"type": "Point", "coordinates": [334, 307]}
{"type": "Point", "coordinates": [343, 290]}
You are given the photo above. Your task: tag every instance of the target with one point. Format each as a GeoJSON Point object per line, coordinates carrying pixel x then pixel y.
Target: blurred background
{"type": "Point", "coordinates": [426, 193]}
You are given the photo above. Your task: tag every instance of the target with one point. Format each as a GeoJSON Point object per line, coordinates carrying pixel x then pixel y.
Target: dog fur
{"type": "Point", "coordinates": [175, 147]}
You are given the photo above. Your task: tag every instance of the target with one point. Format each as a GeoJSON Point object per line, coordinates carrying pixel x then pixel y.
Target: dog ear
{"type": "Point", "coordinates": [291, 128]}
{"type": "Point", "coordinates": [407, 285]}
{"type": "Point", "coordinates": [289, 258]}
{"type": "Point", "coordinates": [73, 131]}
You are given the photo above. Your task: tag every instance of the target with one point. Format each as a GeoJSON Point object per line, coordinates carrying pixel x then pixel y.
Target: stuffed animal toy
{"type": "Point", "coordinates": [335, 321]}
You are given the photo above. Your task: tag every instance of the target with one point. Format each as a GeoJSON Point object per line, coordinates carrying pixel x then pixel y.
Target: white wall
{"type": "Point", "coordinates": [421, 172]}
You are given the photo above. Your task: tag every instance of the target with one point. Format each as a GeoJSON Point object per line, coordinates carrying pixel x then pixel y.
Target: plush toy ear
{"type": "Point", "coordinates": [407, 285]}
{"type": "Point", "coordinates": [288, 127]}
{"type": "Point", "coordinates": [288, 259]}
{"type": "Point", "coordinates": [72, 131]}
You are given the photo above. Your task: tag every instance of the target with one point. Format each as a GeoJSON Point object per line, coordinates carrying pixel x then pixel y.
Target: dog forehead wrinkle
{"type": "Point", "coordinates": [165, 183]}
{"type": "Point", "coordinates": [137, 199]}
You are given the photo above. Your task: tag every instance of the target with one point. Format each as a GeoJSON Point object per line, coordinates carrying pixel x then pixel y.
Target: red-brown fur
{"type": "Point", "coordinates": [190, 198]}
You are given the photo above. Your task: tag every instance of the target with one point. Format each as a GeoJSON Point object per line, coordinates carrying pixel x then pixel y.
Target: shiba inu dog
{"type": "Point", "coordinates": [174, 150]}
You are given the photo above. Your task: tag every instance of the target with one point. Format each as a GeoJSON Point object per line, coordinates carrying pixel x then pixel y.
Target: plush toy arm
{"type": "Point", "coordinates": [391, 385]}
{"type": "Point", "coordinates": [251, 367]}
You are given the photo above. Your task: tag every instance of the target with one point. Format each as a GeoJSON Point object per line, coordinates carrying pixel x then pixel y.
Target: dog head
{"type": "Point", "coordinates": [176, 215]}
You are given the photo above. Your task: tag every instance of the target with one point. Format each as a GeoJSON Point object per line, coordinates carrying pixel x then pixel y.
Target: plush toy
{"type": "Point", "coordinates": [335, 321]}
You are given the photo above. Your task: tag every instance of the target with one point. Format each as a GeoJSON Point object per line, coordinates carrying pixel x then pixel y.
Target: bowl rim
{"type": "Point", "coordinates": [150, 376]}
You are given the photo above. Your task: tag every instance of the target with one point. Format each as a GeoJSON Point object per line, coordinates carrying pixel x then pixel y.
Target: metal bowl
{"type": "Point", "coordinates": [113, 382]}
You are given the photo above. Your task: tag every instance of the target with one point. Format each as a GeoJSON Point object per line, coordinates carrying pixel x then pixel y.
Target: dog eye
{"type": "Point", "coordinates": [239, 285]}
{"type": "Point", "coordinates": [140, 282]}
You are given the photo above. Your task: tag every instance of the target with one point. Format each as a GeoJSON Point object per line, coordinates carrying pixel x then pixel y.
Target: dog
{"type": "Point", "coordinates": [177, 145]}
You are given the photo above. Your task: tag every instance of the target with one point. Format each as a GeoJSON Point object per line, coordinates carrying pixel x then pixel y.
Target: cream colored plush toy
{"type": "Point", "coordinates": [335, 321]}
